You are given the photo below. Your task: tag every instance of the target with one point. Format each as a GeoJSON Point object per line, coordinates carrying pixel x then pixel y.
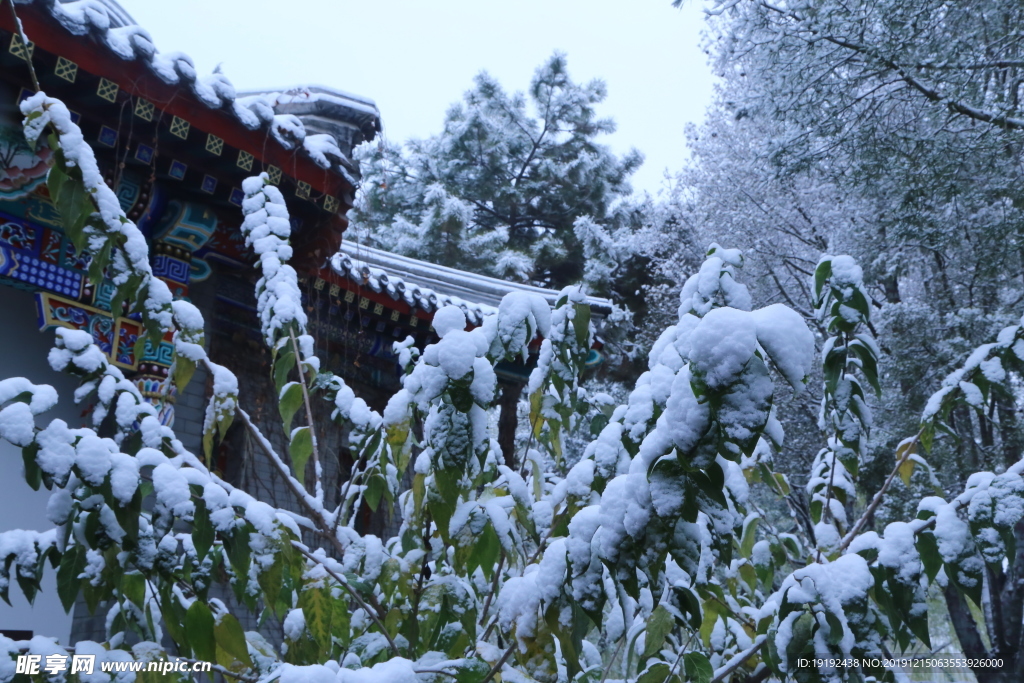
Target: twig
{"type": "Point", "coordinates": [501, 662]}
{"type": "Point", "coordinates": [436, 671]}
{"type": "Point", "coordinates": [20, 30]}
{"type": "Point", "coordinates": [736, 662]}
{"type": "Point", "coordinates": [222, 670]}
{"type": "Point", "coordinates": [828, 498]}
{"type": "Point", "coordinates": [317, 471]}
{"type": "Point", "coordinates": [877, 500]}
{"type": "Point", "coordinates": [494, 587]}
{"type": "Point", "coordinates": [615, 655]}
{"type": "Point", "coordinates": [682, 651]}
{"type": "Point", "coordinates": [300, 493]}
{"type": "Point", "coordinates": [355, 596]}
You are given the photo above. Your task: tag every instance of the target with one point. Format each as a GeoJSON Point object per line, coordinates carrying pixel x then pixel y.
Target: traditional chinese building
{"type": "Point", "coordinates": [175, 146]}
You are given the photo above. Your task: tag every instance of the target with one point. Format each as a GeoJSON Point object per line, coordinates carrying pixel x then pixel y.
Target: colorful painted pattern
{"type": "Point", "coordinates": [32, 255]}
{"type": "Point", "coordinates": [116, 338]}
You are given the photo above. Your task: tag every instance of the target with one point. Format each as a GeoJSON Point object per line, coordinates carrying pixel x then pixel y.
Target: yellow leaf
{"type": "Point", "coordinates": [906, 469]}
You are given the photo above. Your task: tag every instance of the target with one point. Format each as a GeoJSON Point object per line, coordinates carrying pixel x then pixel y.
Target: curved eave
{"type": "Point", "coordinates": [138, 80]}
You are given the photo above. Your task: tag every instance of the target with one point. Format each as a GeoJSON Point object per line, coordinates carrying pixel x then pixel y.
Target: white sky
{"type": "Point", "coordinates": [416, 57]}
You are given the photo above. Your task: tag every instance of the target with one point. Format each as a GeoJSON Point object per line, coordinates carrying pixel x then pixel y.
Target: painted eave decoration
{"type": "Point", "coordinates": [270, 128]}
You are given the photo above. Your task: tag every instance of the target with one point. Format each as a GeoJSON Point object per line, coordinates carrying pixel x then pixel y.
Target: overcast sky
{"type": "Point", "coordinates": [414, 58]}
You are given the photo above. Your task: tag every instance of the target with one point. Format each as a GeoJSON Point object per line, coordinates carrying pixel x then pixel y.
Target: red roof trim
{"type": "Point", "coordinates": [135, 78]}
{"type": "Point", "coordinates": [328, 275]}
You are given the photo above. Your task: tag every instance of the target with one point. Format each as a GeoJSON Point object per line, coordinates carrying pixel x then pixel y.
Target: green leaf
{"type": "Point", "coordinates": [749, 536]}
{"type": "Point", "coordinates": [835, 629]}
{"type": "Point", "coordinates": [33, 473]}
{"type": "Point", "coordinates": [184, 369]}
{"type": "Point", "coordinates": [655, 673]}
{"type": "Point", "coordinates": [691, 606]}
{"type": "Point", "coordinates": [597, 423]}
{"type": "Point", "coordinates": [199, 624]}
{"type": "Point", "coordinates": [712, 610]}
{"type": "Point", "coordinates": [471, 670]}
{"type": "Point", "coordinates": [231, 639]}
{"type": "Point", "coordinates": [133, 587]}
{"type": "Point", "coordinates": [658, 627]}
{"type": "Point", "coordinates": [202, 530]}
{"type": "Point", "coordinates": [581, 324]}
{"type": "Point", "coordinates": [284, 364]}
{"type": "Point", "coordinates": [375, 488]}
{"type": "Point", "coordinates": [697, 667]}
{"type": "Point", "coordinates": [72, 564]}
{"type": "Point", "coordinates": [74, 205]}
{"type": "Point", "coordinates": [300, 449]}
{"type": "Point", "coordinates": [271, 580]}
{"type": "Point", "coordinates": [822, 273]}
{"type": "Point", "coordinates": [291, 401]}
{"type": "Point", "coordinates": [316, 608]}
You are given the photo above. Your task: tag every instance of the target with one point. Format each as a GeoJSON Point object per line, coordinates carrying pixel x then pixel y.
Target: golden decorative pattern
{"type": "Point", "coordinates": [18, 48]}
{"type": "Point", "coordinates": [144, 109]}
{"type": "Point", "coordinates": [303, 189]}
{"type": "Point", "coordinates": [107, 90]}
{"type": "Point", "coordinates": [180, 127]}
{"type": "Point", "coordinates": [244, 160]}
{"type": "Point", "coordinates": [214, 144]}
{"type": "Point", "coordinates": [275, 175]}
{"type": "Point", "coordinates": [66, 69]}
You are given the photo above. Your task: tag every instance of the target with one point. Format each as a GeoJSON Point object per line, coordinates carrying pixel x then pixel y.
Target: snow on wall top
{"type": "Point", "coordinates": [335, 120]}
{"type": "Point", "coordinates": [429, 287]}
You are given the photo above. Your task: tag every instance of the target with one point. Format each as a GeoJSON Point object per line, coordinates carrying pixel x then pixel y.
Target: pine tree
{"type": "Point", "coordinates": [515, 186]}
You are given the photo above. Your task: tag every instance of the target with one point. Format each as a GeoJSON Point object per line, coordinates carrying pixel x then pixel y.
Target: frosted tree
{"type": "Point", "coordinates": [516, 186]}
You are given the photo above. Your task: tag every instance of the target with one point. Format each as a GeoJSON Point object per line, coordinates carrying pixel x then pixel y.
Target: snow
{"type": "Point", "coordinates": [323, 149]}
{"type": "Point", "coordinates": [133, 257]}
{"type": "Point", "coordinates": [782, 332]}
{"type": "Point", "coordinates": [722, 344]}
{"type": "Point", "coordinates": [830, 585]}
{"type": "Point", "coordinates": [266, 228]}
{"type": "Point", "coordinates": [715, 284]}
{"type": "Point", "coordinates": [523, 597]}
{"type": "Point", "coordinates": [294, 624]}
{"type": "Point", "coordinates": [761, 554]}
{"type": "Point", "coordinates": [17, 424]}
{"type": "Point", "coordinates": [427, 286]}
{"type": "Point", "coordinates": [952, 533]}
{"type": "Point", "coordinates": [124, 476]}
{"type": "Point", "coordinates": [447, 319]}
{"type": "Point", "coordinates": [172, 491]}
{"type": "Point", "coordinates": [456, 353]}
{"type": "Point", "coordinates": [898, 550]}
{"type": "Point", "coordinates": [845, 271]}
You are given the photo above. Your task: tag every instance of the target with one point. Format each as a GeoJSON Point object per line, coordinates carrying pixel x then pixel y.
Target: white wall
{"type": "Point", "coordinates": [23, 352]}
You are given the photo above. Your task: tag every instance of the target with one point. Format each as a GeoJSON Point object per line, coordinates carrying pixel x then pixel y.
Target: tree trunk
{"type": "Point", "coordinates": [508, 420]}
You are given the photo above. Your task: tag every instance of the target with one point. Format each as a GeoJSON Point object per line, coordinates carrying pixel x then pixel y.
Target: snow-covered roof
{"type": "Point", "coordinates": [334, 119]}
{"type": "Point", "coordinates": [428, 286]}
{"type": "Point", "coordinates": [322, 111]}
